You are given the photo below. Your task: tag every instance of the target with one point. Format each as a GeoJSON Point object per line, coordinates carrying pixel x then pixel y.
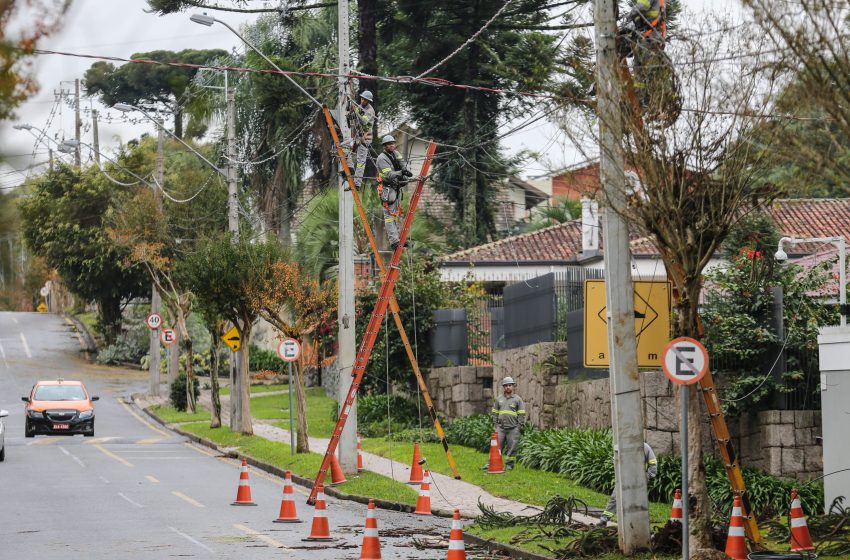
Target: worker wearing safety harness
{"type": "Point", "coordinates": [642, 36]}
{"type": "Point", "coordinates": [651, 464]}
{"type": "Point", "coordinates": [392, 175]}
{"type": "Point", "coordinates": [362, 118]}
{"type": "Point", "coordinates": [508, 417]}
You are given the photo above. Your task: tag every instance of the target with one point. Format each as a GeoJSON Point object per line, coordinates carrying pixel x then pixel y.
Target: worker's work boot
{"type": "Point", "coordinates": [603, 521]}
{"type": "Point", "coordinates": [509, 466]}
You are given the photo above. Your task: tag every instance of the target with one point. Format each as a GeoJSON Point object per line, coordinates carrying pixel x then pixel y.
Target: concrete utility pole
{"type": "Point", "coordinates": [233, 228]}
{"type": "Point", "coordinates": [77, 122]}
{"type": "Point", "coordinates": [627, 422]}
{"type": "Point", "coordinates": [156, 301]}
{"type": "Point", "coordinates": [96, 137]}
{"type": "Point", "coordinates": [347, 343]}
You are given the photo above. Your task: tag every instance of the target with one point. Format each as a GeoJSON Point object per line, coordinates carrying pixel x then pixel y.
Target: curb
{"type": "Point", "coordinates": [277, 471]}
{"type": "Point", "coordinates": [89, 346]}
{"type": "Point", "coordinates": [511, 551]}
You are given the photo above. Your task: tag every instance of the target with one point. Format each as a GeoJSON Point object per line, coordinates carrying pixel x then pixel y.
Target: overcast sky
{"type": "Point", "coordinates": [120, 28]}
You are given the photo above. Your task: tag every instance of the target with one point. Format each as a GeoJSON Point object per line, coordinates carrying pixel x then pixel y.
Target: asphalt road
{"type": "Point", "coordinates": [136, 490]}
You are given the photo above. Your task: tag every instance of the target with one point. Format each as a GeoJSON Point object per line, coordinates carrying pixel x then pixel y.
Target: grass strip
{"type": "Point", "coordinates": [171, 415]}
{"type": "Point", "coordinates": [259, 388]}
{"type": "Point", "coordinates": [367, 484]}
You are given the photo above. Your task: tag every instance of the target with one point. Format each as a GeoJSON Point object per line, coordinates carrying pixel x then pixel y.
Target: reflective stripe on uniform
{"type": "Point", "coordinates": [508, 412]}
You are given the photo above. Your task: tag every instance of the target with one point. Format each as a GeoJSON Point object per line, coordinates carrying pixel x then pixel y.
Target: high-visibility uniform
{"type": "Point", "coordinates": [647, 18]}
{"type": "Point", "coordinates": [508, 416]}
{"type": "Point", "coordinates": [651, 463]}
{"type": "Point", "coordinates": [364, 118]}
{"type": "Point", "coordinates": [391, 171]}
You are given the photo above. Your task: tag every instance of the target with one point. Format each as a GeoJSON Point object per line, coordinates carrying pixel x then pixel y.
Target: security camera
{"type": "Point", "coordinates": [781, 256]}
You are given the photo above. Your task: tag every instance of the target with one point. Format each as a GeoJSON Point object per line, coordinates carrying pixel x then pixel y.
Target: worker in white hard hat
{"type": "Point", "coordinates": [362, 119]}
{"type": "Point", "coordinates": [508, 417]}
{"type": "Point", "coordinates": [392, 176]}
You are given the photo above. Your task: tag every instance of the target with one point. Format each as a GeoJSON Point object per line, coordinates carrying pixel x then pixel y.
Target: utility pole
{"type": "Point", "coordinates": [233, 228]}
{"type": "Point", "coordinates": [77, 122]}
{"type": "Point", "coordinates": [156, 301]}
{"type": "Point", "coordinates": [627, 421]}
{"type": "Point", "coordinates": [96, 137]}
{"type": "Point", "coordinates": [50, 157]}
{"type": "Point", "coordinates": [345, 315]}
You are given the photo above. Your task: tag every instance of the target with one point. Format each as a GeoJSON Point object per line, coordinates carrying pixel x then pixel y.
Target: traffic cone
{"type": "Point", "coordinates": [496, 465]}
{"type": "Point", "coordinates": [456, 548]}
{"type": "Point", "coordinates": [736, 542]}
{"type": "Point", "coordinates": [423, 502]}
{"type": "Point", "coordinates": [415, 467]}
{"type": "Point", "coordinates": [337, 476]}
{"type": "Point", "coordinates": [359, 454]}
{"type": "Point", "coordinates": [243, 494]}
{"type": "Point", "coordinates": [319, 531]}
{"type": "Point", "coordinates": [287, 505]}
{"type": "Point", "coordinates": [371, 549]}
{"type": "Point", "coordinates": [676, 512]}
{"type": "Point", "coordinates": [800, 537]}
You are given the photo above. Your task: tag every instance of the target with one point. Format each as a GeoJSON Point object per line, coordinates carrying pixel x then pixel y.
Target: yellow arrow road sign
{"type": "Point", "coordinates": [41, 308]}
{"type": "Point", "coordinates": [231, 338]}
{"type": "Point", "coordinates": [652, 322]}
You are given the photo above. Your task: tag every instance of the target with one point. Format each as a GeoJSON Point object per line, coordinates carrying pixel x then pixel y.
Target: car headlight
{"type": "Point", "coordinates": [86, 414]}
{"type": "Point", "coordinates": [35, 414]}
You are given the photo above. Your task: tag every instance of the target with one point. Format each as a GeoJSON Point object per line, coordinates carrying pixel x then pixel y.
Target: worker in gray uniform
{"type": "Point", "coordinates": [392, 176]}
{"type": "Point", "coordinates": [362, 118]}
{"type": "Point", "coordinates": [508, 417]}
{"type": "Point", "coordinates": [651, 464]}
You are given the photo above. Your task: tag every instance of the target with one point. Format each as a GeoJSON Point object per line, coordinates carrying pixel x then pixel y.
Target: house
{"type": "Point", "coordinates": [575, 182]}
{"type": "Point", "coordinates": [557, 247]}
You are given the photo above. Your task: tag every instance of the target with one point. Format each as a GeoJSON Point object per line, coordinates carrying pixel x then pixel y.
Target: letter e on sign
{"type": "Point", "coordinates": [684, 361]}
{"type": "Point", "coordinates": [168, 337]}
{"type": "Point", "coordinates": [289, 349]}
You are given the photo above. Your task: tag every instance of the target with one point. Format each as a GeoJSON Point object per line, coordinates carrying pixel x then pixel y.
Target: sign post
{"type": "Point", "coordinates": [685, 362]}
{"type": "Point", "coordinates": [289, 349]}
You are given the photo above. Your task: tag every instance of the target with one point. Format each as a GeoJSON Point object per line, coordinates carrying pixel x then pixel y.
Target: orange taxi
{"type": "Point", "coordinates": [59, 407]}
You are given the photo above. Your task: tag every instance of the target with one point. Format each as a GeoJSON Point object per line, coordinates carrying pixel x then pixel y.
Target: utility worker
{"type": "Point", "coordinates": [362, 119]}
{"type": "Point", "coordinates": [508, 417]}
{"type": "Point", "coordinates": [392, 176]}
{"type": "Point", "coordinates": [651, 464]}
{"type": "Point", "coordinates": [642, 36]}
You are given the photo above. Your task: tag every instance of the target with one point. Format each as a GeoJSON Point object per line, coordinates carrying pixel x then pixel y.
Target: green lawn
{"type": "Point", "coordinates": [366, 484]}
{"type": "Point", "coordinates": [171, 415]}
{"type": "Point", "coordinates": [320, 408]}
{"type": "Point", "coordinates": [259, 388]}
{"type": "Point", "coordinates": [522, 484]}
{"type": "Point", "coordinates": [90, 321]}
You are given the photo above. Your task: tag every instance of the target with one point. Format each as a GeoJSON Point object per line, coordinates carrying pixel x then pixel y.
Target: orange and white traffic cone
{"type": "Point", "coordinates": [371, 549]}
{"type": "Point", "coordinates": [496, 465]}
{"type": "Point", "coordinates": [736, 542]}
{"type": "Point", "coordinates": [337, 476]}
{"type": "Point", "coordinates": [800, 537]}
{"type": "Point", "coordinates": [415, 467]}
{"type": "Point", "coordinates": [359, 454]}
{"type": "Point", "coordinates": [456, 548]}
{"type": "Point", "coordinates": [676, 512]}
{"type": "Point", "coordinates": [423, 502]}
{"type": "Point", "coordinates": [287, 504]}
{"type": "Point", "coordinates": [319, 530]}
{"type": "Point", "coordinates": [243, 493]}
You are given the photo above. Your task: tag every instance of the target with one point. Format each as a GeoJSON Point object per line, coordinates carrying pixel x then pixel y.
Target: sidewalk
{"type": "Point", "coordinates": [446, 492]}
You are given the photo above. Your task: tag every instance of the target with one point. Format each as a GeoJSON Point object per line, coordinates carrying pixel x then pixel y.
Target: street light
{"type": "Point", "coordinates": [839, 242]}
{"type": "Point", "coordinates": [125, 108]}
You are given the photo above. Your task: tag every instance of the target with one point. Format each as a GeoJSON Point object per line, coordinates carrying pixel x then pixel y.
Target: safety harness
{"type": "Point", "coordinates": [394, 186]}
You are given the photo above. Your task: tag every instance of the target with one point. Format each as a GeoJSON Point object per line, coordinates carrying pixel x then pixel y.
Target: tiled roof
{"type": "Point", "coordinates": [562, 242]}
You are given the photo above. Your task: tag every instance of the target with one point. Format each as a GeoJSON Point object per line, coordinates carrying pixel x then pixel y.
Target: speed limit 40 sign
{"type": "Point", "coordinates": [289, 349]}
{"type": "Point", "coordinates": [154, 321]}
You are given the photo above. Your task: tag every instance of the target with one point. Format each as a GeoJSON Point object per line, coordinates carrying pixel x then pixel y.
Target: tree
{"type": "Point", "coordinates": [65, 220]}
{"type": "Point", "coordinates": [17, 83]}
{"type": "Point", "coordinates": [563, 210]}
{"type": "Point", "coordinates": [150, 86]}
{"type": "Point", "coordinates": [164, 7]}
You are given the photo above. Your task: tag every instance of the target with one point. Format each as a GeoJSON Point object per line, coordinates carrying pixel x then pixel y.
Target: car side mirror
{"type": "Point", "coordinates": [25, 399]}
{"type": "Point", "coordinates": [95, 399]}
{"type": "Point", "coordinates": [4, 413]}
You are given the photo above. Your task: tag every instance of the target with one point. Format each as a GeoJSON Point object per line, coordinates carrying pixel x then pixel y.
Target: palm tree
{"type": "Point", "coordinates": [563, 210]}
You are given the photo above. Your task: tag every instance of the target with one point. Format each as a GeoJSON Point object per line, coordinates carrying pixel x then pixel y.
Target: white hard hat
{"type": "Point", "coordinates": [508, 381]}
{"type": "Point", "coordinates": [367, 95]}
{"type": "Point", "coordinates": [388, 139]}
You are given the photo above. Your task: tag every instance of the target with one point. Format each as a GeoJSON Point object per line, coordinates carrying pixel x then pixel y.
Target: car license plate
{"type": "Point", "coordinates": [61, 426]}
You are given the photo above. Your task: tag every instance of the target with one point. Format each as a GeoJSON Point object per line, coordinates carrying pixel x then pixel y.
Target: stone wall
{"type": "Point", "coordinates": [781, 442]}
{"type": "Point", "coordinates": [461, 390]}
{"type": "Point", "coordinates": [540, 372]}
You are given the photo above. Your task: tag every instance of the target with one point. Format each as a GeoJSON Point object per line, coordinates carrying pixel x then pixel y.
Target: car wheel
{"type": "Point", "coordinates": [92, 431]}
{"type": "Point", "coordinates": [2, 454]}
{"type": "Point", "coordinates": [28, 431]}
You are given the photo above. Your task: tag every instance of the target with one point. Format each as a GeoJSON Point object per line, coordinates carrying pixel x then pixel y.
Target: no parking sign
{"type": "Point", "coordinates": [168, 336]}
{"type": "Point", "coordinates": [289, 349]}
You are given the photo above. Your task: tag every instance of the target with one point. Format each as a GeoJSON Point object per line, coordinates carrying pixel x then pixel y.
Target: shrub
{"type": "Point", "coordinates": [178, 392]}
{"type": "Point", "coordinates": [372, 414]}
{"type": "Point", "coordinates": [130, 346]}
{"type": "Point", "coordinates": [259, 359]}
{"type": "Point", "coordinates": [423, 435]}
{"type": "Point", "coordinates": [471, 431]}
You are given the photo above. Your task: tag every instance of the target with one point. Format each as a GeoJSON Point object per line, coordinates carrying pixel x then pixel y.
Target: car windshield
{"type": "Point", "coordinates": [60, 393]}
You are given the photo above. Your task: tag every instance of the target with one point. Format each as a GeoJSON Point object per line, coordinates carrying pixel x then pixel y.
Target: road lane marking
{"type": "Point", "coordinates": [26, 346]}
{"type": "Point", "coordinates": [3, 353]}
{"type": "Point", "coordinates": [137, 504]}
{"type": "Point", "coordinates": [149, 441]}
{"type": "Point", "coordinates": [112, 455]}
{"type": "Point", "coordinates": [103, 479]}
{"type": "Point", "coordinates": [258, 535]}
{"type": "Point", "coordinates": [183, 496]}
{"type": "Point", "coordinates": [94, 441]}
{"type": "Point", "coordinates": [15, 320]}
{"type": "Point", "coordinates": [201, 450]}
{"type": "Point", "coordinates": [142, 420]}
{"type": "Point", "coordinates": [79, 336]}
{"type": "Point", "coordinates": [151, 478]}
{"type": "Point", "coordinates": [192, 540]}
{"type": "Point", "coordinates": [45, 441]}
{"type": "Point", "coordinates": [72, 456]}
